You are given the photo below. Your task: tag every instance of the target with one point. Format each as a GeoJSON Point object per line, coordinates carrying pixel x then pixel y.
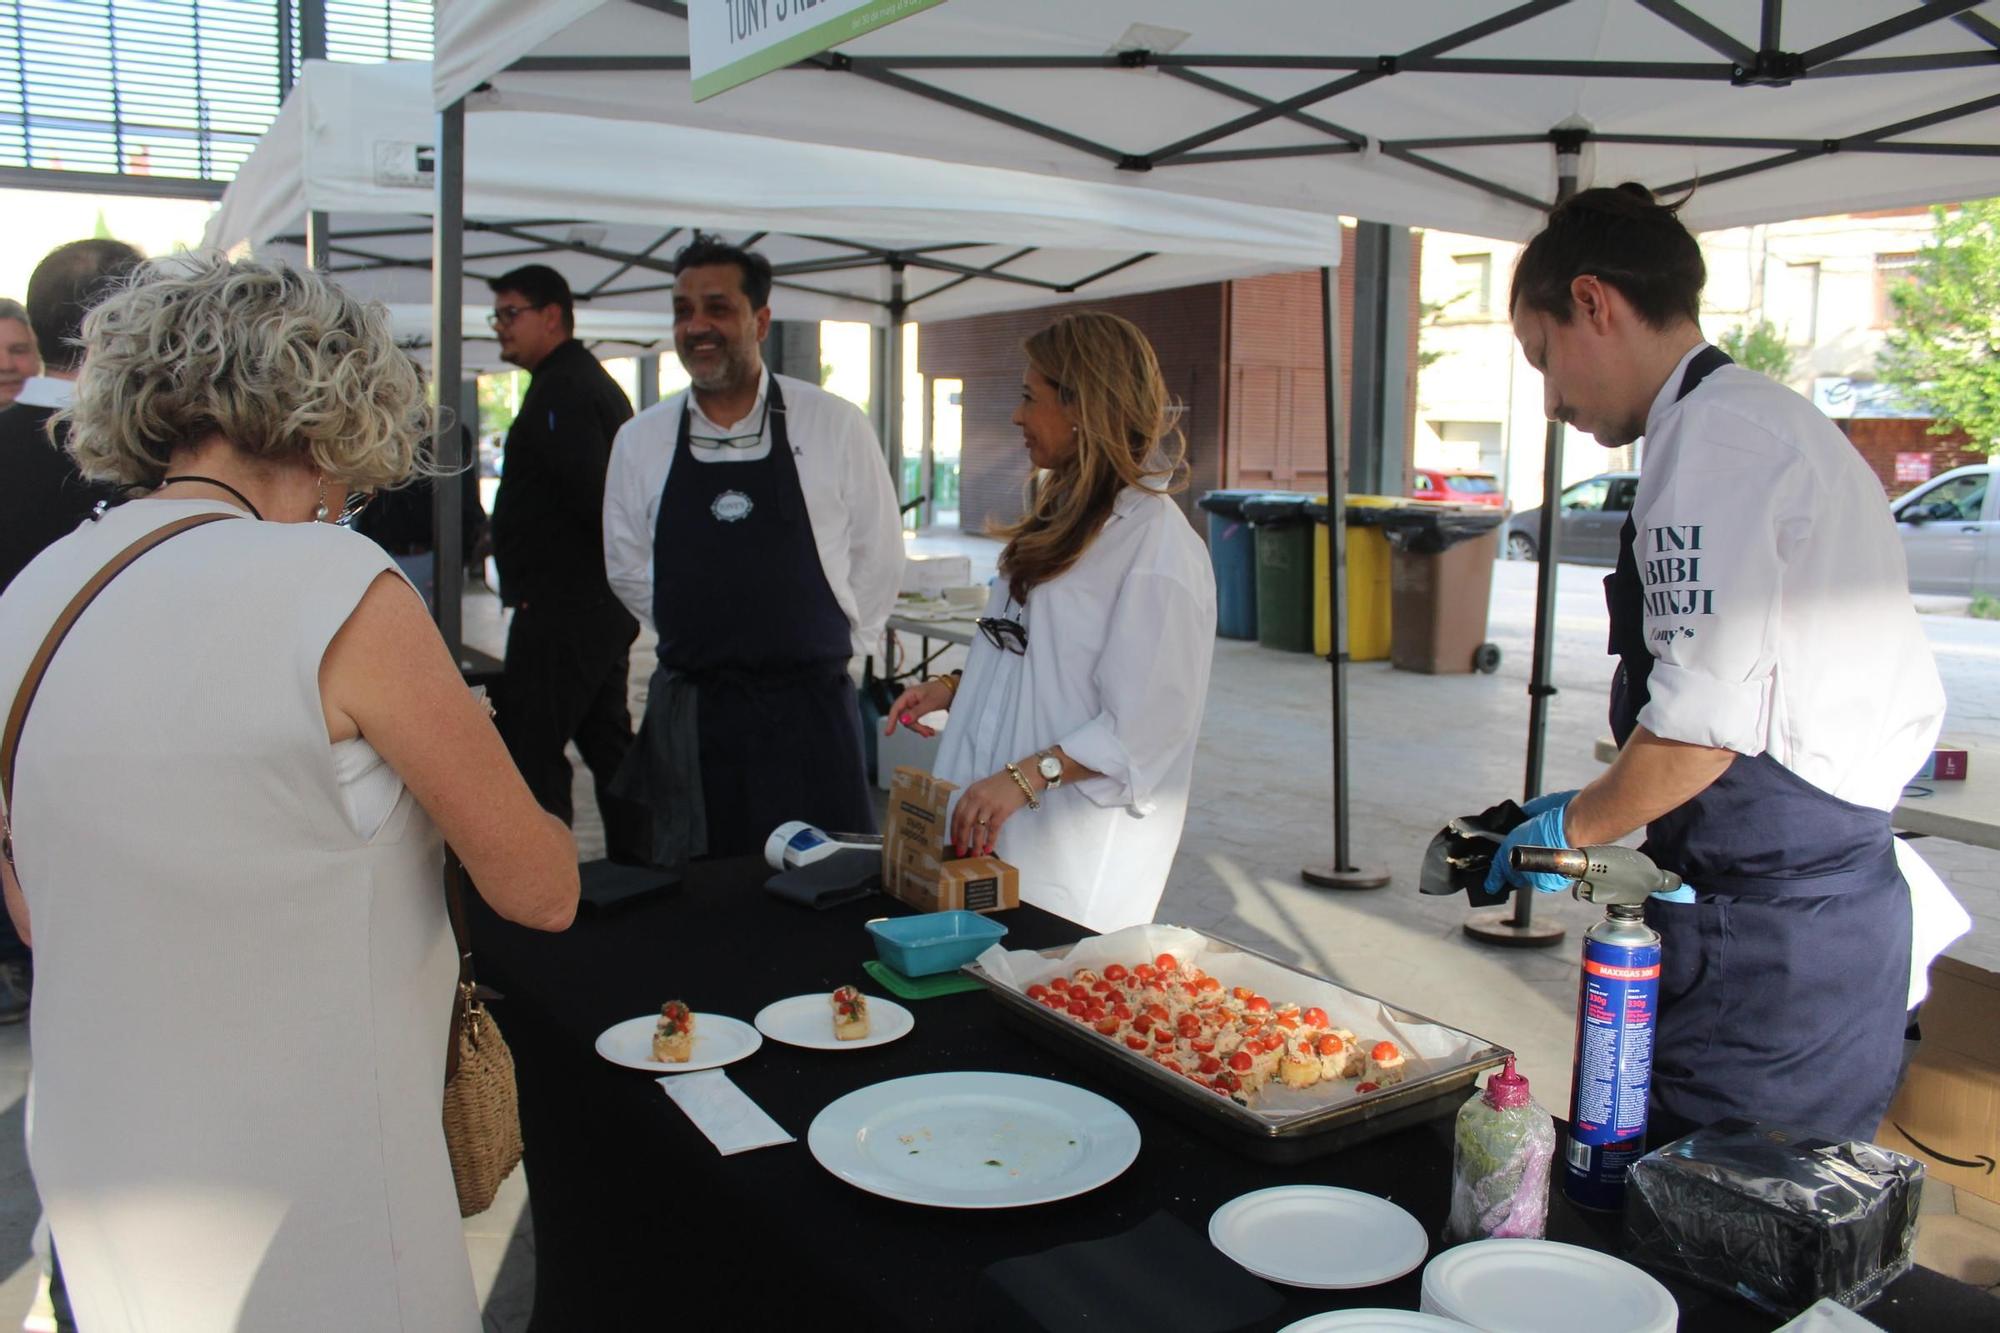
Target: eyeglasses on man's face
{"type": "Point", "coordinates": [503, 315]}
{"type": "Point", "coordinates": [1009, 636]}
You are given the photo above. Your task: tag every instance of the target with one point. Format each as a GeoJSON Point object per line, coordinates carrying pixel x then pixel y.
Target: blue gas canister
{"type": "Point", "coordinates": [1618, 1001]}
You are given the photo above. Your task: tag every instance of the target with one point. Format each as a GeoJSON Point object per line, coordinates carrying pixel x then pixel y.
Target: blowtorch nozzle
{"type": "Point", "coordinates": [1564, 861]}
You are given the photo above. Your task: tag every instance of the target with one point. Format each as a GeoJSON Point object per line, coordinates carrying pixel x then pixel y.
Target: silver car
{"type": "Point", "coordinates": [1591, 515]}
{"type": "Point", "coordinates": [1950, 527]}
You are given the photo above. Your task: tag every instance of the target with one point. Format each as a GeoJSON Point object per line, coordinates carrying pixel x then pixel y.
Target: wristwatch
{"type": "Point", "coordinates": [1049, 765]}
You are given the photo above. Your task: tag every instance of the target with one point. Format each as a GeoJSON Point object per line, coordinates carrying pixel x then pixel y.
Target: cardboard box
{"type": "Point", "coordinates": [917, 865]}
{"type": "Point", "coordinates": [1948, 1110]}
{"type": "Point", "coordinates": [972, 884]}
{"type": "Point", "coordinates": [1947, 1115]}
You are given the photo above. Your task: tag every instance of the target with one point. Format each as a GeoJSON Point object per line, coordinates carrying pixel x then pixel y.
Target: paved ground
{"type": "Point", "coordinates": [1423, 748]}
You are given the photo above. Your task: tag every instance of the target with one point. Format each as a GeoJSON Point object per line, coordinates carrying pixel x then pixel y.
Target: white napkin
{"type": "Point", "coordinates": [724, 1112]}
{"type": "Point", "coordinates": [1829, 1317]}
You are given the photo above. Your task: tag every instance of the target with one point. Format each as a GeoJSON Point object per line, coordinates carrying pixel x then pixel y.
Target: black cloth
{"type": "Point", "coordinates": [567, 668]}
{"type": "Point", "coordinates": [1799, 892]}
{"type": "Point", "coordinates": [548, 516]}
{"type": "Point", "coordinates": [42, 495]}
{"type": "Point", "coordinates": [42, 499]}
{"type": "Point", "coordinates": [403, 521]}
{"type": "Point", "coordinates": [640, 1224]}
{"type": "Point", "coordinates": [752, 685]}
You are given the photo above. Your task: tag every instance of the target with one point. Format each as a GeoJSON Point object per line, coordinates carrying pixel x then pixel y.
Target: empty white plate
{"type": "Point", "coordinates": [1542, 1286]}
{"type": "Point", "coordinates": [1377, 1321]}
{"type": "Point", "coordinates": [974, 1140]}
{"type": "Point", "coordinates": [718, 1040]}
{"type": "Point", "coordinates": [807, 1020]}
{"type": "Point", "coordinates": [1319, 1236]}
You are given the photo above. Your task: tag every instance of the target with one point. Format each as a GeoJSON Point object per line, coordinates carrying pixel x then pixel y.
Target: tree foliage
{"type": "Point", "coordinates": [1760, 347]}
{"type": "Point", "coordinates": [1944, 347]}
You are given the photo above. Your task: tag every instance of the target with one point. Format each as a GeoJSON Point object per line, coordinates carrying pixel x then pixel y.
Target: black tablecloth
{"type": "Point", "coordinates": [641, 1224]}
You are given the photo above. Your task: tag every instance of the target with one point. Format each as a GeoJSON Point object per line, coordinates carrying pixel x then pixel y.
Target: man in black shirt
{"type": "Point", "coordinates": [569, 645]}
{"type": "Point", "coordinates": [42, 495]}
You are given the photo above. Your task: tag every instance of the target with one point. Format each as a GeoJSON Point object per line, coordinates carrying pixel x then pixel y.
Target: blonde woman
{"type": "Point", "coordinates": [226, 818]}
{"type": "Point", "coordinates": [1072, 732]}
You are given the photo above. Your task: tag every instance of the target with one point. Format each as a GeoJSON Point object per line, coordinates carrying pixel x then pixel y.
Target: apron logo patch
{"type": "Point", "coordinates": [731, 507]}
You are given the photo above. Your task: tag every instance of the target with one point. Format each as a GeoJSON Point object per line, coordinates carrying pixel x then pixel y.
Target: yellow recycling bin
{"type": "Point", "coordinates": [1367, 579]}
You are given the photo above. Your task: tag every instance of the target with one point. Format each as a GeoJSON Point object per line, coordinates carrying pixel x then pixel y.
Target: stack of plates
{"type": "Point", "coordinates": [1539, 1286]}
{"type": "Point", "coordinates": [1377, 1321]}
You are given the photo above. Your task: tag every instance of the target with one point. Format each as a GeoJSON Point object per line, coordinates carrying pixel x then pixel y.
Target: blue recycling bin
{"type": "Point", "coordinates": [1233, 551]}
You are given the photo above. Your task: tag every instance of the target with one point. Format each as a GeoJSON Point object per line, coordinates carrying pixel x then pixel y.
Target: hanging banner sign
{"type": "Point", "coordinates": [731, 42]}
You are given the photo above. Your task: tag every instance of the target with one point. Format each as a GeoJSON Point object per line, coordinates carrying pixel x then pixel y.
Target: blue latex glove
{"type": "Point", "coordinates": [1542, 828]}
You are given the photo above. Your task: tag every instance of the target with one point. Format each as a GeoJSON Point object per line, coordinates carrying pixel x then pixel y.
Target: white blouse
{"type": "Point", "coordinates": [1116, 673]}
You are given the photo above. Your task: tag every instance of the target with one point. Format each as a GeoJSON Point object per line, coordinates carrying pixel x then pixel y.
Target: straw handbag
{"type": "Point", "coordinates": [482, 1117]}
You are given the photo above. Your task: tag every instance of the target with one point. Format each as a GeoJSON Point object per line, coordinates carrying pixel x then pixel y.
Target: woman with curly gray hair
{"type": "Point", "coordinates": [226, 816]}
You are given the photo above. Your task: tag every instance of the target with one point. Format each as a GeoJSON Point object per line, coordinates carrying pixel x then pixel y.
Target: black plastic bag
{"type": "Point", "coordinates": [1461, 854]}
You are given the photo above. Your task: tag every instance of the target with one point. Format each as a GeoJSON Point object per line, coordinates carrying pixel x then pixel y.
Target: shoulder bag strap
{"type": "Point", "coordinates": [10, 739]}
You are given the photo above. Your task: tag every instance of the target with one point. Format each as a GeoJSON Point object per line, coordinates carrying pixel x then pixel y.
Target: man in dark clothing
{"type": "Point", "coordinates": [42, 495]}
{"type": "Point", "coordinates": [569, 645]}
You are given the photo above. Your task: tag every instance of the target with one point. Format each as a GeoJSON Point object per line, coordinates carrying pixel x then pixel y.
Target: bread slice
{"type": "Point", "coordinates": [850, 1014]}
{"type": "Point", "coordinates": [1300, 1067]}
{"type": "Point", "coordinates": [673, 1036]}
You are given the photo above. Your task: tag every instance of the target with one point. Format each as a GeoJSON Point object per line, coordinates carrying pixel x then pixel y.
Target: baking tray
{"type": "Point", "coordinates": [1289, 1138]}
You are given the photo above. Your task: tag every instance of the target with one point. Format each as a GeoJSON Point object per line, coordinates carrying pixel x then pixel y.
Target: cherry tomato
{"type": "Point", "coordinates": [1037, 991]}
{"type": "Point", "coordinates": [1060, 983]}
{"type": "Point", "coordinates": [1173, 1064]}
{"type": "Point", "coordinates": [1136, 1043]}
{"type": "Point", "coordinates": [1244, 993]}
{"type": "Point", "coordinates": [1143, 1023]}
{"type": "Point", "coordinates": [1116, 972]}
{"type": "Point", "coordinates": [1094, 1012]}
{"type": "Point", "coordinates": [1163, 1037]}
{"type": "Point", "coordinates": [1209, 984]}
{"type": "Point", "coordinates": [1166, 962]}
{"type": "Point", "coordinates": [1240, 1061]}
{"type": "Point", "coordinates": [1158, 1011]}
{"type": "Point", "coordinates": [1108, 1026]}
{"type": "Point", "coordinates": [1257, 1004]}
{"type": "Point", "coordinates": [1314, 1017]}
{"type": "Point", "coordinates": [1288, 1019]}
{"type": "Point", "coordinates": [1189, 1025]}
{"type": "Point", "coordinates": [1078, 1008]}
{"type": "Point", "coordinates": [1331, 1045]}
{"type": "Point", "coordinates": [1227, 1081]}
{"type": "Point", "coordinates": [1201, 1046]}
{"type": "Point", "coordinates": [1145, 971]}
{"type": "Point", "coordinates": [1384, 1052]}
{"type": "Point", "coordinates": [1209, 1064]}
{"type": "Point", "coordinates": [1100, 987]}
{"type": "Point", "coordinates": [1124, 1012]}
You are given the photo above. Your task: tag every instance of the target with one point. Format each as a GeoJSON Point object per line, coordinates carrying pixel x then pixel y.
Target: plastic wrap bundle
{"type": "Point", "coordinates": [1501, 1150]}
{"type": "Point", "coordinates": [1778, 1216]}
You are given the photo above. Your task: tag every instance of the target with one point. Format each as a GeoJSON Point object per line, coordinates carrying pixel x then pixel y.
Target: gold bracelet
{"type": "Point", "coordinates": [1026, 790]}
{"type": "Point", "coordinates": [949, 682]}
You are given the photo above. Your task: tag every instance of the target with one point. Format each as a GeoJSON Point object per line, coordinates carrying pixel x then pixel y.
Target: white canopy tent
{"type": "Point", "coordinates": [607, 202]}
{"type": "Point", "coordinates": [1476, 116]}
{"type": "Point", "coordinates": [1422, 115]}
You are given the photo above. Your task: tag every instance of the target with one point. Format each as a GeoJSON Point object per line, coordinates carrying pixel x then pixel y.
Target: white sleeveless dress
{"type": "Point", "coordinates": [243, 966]}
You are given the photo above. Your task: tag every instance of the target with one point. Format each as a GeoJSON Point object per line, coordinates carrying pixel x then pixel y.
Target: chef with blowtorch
{"type": "Point", "coordinates": [1773, 693]}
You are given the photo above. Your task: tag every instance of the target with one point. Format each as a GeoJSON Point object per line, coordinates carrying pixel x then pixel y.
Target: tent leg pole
{"type": "Point", "coordinates": [1517, 928]}
{"type": "Point", "coordinates": [447, 358]}
{"type": "Point", "coordinates": [1343, 873]}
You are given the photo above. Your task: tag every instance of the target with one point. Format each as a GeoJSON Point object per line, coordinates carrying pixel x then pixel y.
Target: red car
{"type": "Point", "coordinates": [1471, 488]}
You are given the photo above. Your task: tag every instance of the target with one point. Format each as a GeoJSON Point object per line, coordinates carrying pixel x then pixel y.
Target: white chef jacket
{"type": "Point", "coordinates": [1777, 600]}
{"type": "Point", "coordinates": [850, 500]}
{"type": "Point", "coordinates": [1116, 673]}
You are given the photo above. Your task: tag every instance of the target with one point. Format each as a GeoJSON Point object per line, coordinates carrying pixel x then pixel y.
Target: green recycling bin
{"type": "Point", "coordinates": [1284, 537]}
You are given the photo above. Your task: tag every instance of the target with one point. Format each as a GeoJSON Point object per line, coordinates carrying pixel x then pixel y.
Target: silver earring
{"type": "Point", "coordinates": [319, 514]}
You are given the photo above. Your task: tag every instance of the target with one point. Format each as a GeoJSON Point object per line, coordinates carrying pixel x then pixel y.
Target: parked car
{"type": "Point", "coordinates": [1950, 527]}
{"type": "Point", "coordinates": [1473, 488]}
{"type": "Point", "coordinates": [1588, 520]}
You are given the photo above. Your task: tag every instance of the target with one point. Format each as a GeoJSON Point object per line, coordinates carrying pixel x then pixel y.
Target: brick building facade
{"type": "Point", "coordinates": [1243, 357]}
{"type": "Point", "coordinates": [1881, 440]}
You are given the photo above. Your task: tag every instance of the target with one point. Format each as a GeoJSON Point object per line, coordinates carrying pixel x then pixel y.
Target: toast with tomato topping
{"type": "Point", "coordinates": [1386, 1063]}
{"type": "Point", "coordinates": [850, 1014]}
{"type": "Point", "coordinates": [673, 1035]}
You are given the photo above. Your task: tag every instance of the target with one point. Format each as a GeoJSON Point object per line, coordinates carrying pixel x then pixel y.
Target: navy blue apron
{"type": "Point", "coordinates": [751, 718]}
{"type": "Point", "coordinates": [1784, 984]}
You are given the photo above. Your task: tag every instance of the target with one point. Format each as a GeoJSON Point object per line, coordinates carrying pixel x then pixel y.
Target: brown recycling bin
{"type": "Point", "coordinates": [1440, 582]}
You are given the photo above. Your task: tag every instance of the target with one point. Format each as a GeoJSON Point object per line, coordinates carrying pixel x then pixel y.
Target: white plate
{"type": "Point", "coordinates": [1319, 1236]}
{"type": "Point", "coordinates": [974, 1140]}
{"type": "Point", "coordinates": [1377, 1321]}
{"type": "Point", "coordinates": [1541, 1286]}
{"type": "Point", "coordinates": [807, 1020]}
{"type": "Point", "coordinates": [718, 1040]}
